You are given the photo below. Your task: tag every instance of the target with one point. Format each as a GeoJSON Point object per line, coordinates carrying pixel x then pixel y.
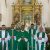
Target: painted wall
{"type": "Point", "coordinates": [6, 11]}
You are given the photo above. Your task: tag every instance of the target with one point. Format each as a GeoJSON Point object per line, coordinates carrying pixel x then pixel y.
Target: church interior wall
{"type": "Point", "coordinates": [7, 15]}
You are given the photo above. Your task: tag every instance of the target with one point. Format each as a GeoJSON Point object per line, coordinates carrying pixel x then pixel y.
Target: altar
{"type": "Point", "coordinates": [27, 11]}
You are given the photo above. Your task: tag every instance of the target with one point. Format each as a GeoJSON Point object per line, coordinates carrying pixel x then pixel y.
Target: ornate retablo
{"type": "Point", "coordinates": [27, 10]}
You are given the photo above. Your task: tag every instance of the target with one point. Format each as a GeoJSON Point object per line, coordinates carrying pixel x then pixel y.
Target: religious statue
{"type": "Point", "coordinates": [16, 18]}
{"type": "Point", "coordinates": [37, 18]}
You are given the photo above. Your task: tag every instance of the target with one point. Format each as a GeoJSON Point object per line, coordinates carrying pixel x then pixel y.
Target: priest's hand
{"type": "Point", "coordinates": [19, 39]}
{"type": "Point", "coordinates": [23, 39]}
{"type": "Point", "coordinates": [26, 39]}
{"type": "Point", "coordinates": [13, 37]}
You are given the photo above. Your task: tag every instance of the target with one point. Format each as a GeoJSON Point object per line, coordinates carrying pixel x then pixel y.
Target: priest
{"type": "Point", "coordinates": [48, 42]}
{"type": "Point", "coordinates": [3, 38]}
{"type": "Point", "coordinates": [32, 32]}
{"type": "Point", "coordinates": [41, 39]}
{"type": "Point", "coordinates": [23, 40]}
{"type": "Point", "coordinates": [13, 34]}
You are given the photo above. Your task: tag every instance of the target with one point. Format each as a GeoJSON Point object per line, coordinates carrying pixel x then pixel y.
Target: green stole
{"type": "Point", "coordinates": [12, 44]}
{"type": "Point", "coordinates": [10, 41]}
{"type": "Point", "coordinates": [35, 27]}
{"type": "Point", "coordinates": [42, 45]}
{"type": "Point", "coordinates": [32, 40]}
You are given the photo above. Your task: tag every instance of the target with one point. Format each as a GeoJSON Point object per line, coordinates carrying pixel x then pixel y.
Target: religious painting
{"type": "Point", "coordinates": [27, 1]}
{"type": "Point", "coordinates": [27, 10]}
{"type": "Point", "coordinates": [27, 16]}
{"type": "Point", "coordinates": [37, 18]}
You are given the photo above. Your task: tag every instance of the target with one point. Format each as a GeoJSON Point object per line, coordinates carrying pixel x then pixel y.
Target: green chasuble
{"type": "Point", "coordinates": [23, 40]}
{"type": "Point", "coordinates": [32, 41]}
{"type": "Point", "coordinates": [12, 43]}
{"type": "Point", "coordinates": [41, 43]}
{"type": "Point", "coordinates": [3, 39]}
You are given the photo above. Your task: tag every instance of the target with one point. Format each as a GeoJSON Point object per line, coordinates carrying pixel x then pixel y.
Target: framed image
{"type": "Point", "coordinates": [27, 16]}
{"type": "Point", "coordinates": [27, 1]}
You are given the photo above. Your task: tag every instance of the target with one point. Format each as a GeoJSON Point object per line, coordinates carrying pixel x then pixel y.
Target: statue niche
{"type": "Point", "coordinates": [27, 11]}
{"type": "Point", "coordinates": [16, 18]}
{"type": "Point", "coordinates": [37, 18]}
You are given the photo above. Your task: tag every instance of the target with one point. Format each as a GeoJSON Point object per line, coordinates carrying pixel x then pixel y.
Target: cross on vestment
{"type": "Point", "coordinates": [3, 40]}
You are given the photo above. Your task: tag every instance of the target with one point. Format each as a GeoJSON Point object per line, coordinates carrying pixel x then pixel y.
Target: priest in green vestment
{"type": "Point", "coordinates": [32, 32]}
{"type": "Point", "coordinates": [48, 42]}
{"type": "Point", "coordinates": [41, 39]}
{"type": "Point", "coordinates": [23, 40]}
{"type": "Point", "coordinates": [3, 38]}
{"type": "Point", "coordinates": [13, 36]}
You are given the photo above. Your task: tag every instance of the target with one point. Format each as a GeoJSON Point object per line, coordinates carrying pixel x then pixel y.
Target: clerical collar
{"type": "Point", "coordinates": [12, 29]}
{"type": "Point", "coordinates": [32, 28]}
{"type": "Point", "coordinates": [40, 32]}
{"type": "Point", "coordinates": [2, 30]}
{"type": "Point", "coordinates": [22, 30]}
